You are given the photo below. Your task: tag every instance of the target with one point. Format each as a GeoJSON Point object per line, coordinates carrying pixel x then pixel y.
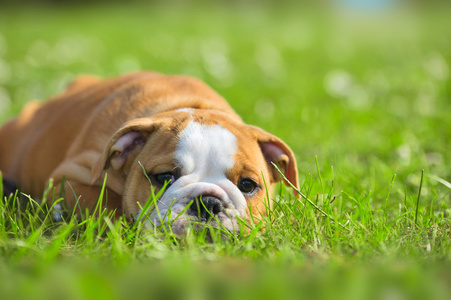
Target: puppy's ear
{"type": "Point", "coordinates": [276, 151]}
{"type": "Point", "coordinates": [124, 145]}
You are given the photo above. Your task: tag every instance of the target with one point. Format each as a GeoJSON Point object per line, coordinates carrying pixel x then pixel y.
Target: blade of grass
{"type": "Point", "coordinates": [98, 208]}
{"type": "Point", "coordinates": [441, 180]}
{"type": "Point", "coordinates": [388, 194]}
{"type": "Point", "coordinates": [320, 179]}
{"type": "Point", "coordinates": [418, 198]}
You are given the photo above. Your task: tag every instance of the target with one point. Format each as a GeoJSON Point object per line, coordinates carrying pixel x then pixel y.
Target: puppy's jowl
{"type": "Point", "coordinates": [174, 127]}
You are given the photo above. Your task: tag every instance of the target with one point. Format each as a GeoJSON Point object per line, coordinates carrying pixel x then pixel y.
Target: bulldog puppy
{"type": "Point", "coordinates": [143, 127]}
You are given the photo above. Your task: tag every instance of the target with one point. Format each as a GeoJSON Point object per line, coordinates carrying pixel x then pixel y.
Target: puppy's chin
{"type": "Point", "coordinates": [178, 220]}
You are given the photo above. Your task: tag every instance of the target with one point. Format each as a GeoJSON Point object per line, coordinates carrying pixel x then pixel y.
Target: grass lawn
{"type": "Point", "coordinates": [363, 99]}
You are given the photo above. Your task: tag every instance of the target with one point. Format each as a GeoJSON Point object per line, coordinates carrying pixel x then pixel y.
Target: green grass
{"type": "Point", "coordinates": [364, 102]}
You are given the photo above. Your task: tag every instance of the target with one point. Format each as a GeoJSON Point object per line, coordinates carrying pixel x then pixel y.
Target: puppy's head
{"type": "Point", "coordinates": [215, 168]}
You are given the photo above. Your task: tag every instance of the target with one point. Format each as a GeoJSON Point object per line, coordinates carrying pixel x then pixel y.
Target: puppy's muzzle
{"type": "Point", "coordinates": [206, 207]}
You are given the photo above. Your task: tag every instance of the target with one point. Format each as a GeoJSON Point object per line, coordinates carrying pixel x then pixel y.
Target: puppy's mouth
{"type": "Point", "coordinates": [199, 214]}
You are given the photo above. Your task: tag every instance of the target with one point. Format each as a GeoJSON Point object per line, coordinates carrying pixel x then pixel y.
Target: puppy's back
{"type": "Point", "coordinates": [36, 141]}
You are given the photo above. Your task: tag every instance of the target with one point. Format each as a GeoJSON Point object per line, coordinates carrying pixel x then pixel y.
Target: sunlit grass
{"type": "Point", "coordinates": [342, 238]}
{"type": "Point", "coordinates": [363, 101]}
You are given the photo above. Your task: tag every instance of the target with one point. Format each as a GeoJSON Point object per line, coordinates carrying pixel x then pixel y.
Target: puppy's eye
{"type": "Point", "coordinates": [247, 186]}
{"type": "Point", "coordinates": [162, 178]}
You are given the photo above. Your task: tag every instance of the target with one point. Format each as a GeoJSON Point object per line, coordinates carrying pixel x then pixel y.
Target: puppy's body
{"type": "Point", "coordinates": [175, 127]}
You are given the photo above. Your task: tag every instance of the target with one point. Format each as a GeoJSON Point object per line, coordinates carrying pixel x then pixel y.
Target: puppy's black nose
{"type": "Point", "coordinates": [205, 207]}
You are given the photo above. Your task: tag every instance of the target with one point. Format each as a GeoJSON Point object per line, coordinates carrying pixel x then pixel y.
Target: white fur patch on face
{"type": "Point", "coordinates": [207, 150]}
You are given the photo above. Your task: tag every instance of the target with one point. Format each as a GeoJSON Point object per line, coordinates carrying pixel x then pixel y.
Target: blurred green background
{"type": "Point", "coordinates": [362, 85]}
{"type": "Point", "coordinates": [323, 68]}
{"type": "Point", "coordinates": [349, 83]}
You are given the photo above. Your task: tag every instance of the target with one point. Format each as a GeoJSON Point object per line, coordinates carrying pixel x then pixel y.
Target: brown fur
{"type": "Point", "coordinates": [71, 136]}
